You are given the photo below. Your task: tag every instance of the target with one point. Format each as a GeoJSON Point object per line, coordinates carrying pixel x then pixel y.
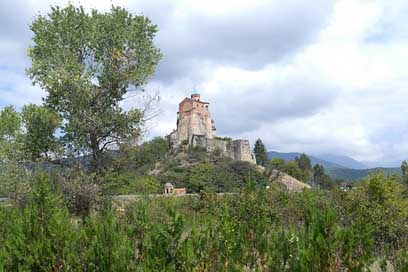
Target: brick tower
{"type": "Point", "coordinates": [194, 118]}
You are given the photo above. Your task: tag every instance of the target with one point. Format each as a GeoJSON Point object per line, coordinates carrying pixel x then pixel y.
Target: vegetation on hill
{"type": "Point", "coordinates": [335, 170]}
{"type": "Point", "coordinates": [357, 174]}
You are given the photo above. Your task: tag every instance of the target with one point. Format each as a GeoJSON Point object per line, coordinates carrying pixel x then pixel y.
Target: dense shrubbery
{"type": "Point", "coordinates": [256, 229]}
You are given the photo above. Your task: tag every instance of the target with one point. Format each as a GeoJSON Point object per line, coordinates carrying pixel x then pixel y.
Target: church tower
{"type": "Point", "coordinates": [194, 118]}
{"type": "Point", "coordinates": [195, 127]}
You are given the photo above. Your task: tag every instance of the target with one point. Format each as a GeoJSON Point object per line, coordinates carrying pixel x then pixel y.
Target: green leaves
{"type": "Point", "coordinates": [255, 230]}
{"type": "Point", "coordinates": [87, 63]}
{"type": "Point", "coordinates": [29, 135]}
{"type": "Point", "coordinates": [10, 123]}
{"type": "Point", "coordinates": [260, 152]}
{"type": "Point", "coordinates": [40, 124]}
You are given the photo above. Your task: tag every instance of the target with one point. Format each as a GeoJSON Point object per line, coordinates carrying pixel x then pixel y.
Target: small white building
{"type": "Point", "coordinates": [170, 190]}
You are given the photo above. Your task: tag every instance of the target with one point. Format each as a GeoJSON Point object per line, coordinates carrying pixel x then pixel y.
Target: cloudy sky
{"type": "Point", "coordinates": [315, 76]}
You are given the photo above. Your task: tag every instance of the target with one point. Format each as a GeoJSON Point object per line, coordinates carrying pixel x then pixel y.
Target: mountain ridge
{"type": "Point", "coordinates": [336, 170]}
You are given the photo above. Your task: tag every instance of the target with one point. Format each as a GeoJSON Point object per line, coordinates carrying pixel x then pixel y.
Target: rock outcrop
{"type": "Point", "coordinates": [289, 182]}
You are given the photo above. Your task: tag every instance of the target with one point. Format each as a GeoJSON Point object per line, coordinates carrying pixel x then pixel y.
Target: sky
{"type": "Point", "coordinates": [321, 76]}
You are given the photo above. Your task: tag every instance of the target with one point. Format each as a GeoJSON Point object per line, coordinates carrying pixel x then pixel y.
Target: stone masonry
{"type": "Point", "coordinates": [196, 127]}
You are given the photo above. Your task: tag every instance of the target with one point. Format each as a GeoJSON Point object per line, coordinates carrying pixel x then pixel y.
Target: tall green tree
{"type": "Point", "coordinates": [404, 170]}
{"type": "Point", "coordinates": [304, 162]}
{"type": "Point", "coordinates": [87, 63]}
{"type": "Point", "coordinates": [10, 129]}
{"type": "Point", "coordinates": [305, 165]}
{"type": "Point", "coordinates": [29, 134]}
{"type": "Point", "coordinates": [10, 123]}
{"type": "Point", "coordinates": [40, 125]}
{"type": "Point", "coordinates": [260, 152]}
{"type": "Point", "coordinates": [320, 178]}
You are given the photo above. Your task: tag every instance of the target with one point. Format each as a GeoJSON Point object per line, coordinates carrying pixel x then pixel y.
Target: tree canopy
{"type": "Point", "coordinates": [260, 152]}
{"type": "Point", "coordinates": [87, 63]}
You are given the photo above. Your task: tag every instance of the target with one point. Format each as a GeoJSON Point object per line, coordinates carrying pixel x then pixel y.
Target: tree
{"type": "Point", "coordinates": [29, 134]}
{"type": "Point", "coordinates": [10, 129]}
{"type": "Point", "coordinates": [293, 169]}
{"type": "Point", "coordinates": [404, 170]}
{"type": "Point", "coordinates": [305, 165]}
{"type": "Point", "coordinates": [304, 162]}
{"type": "Point", "coordinates": [88, 63]}
{"type": "Point", "coordinates": [276, 166]}
{"type": "Point", "coordinates": [152, 151]}
{"type": "Point", "coordinates": [380, 202]}
{"type": "Point", "coordinates": [40, 125]}
{"type": "Point", "coordinates": [10, 123]}
{"type": "Point", "coordinates": [261, 155]}
{"type": "Point", "coordinates": [320, 178]}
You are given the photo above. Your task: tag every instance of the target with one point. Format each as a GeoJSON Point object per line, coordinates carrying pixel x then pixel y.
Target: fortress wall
{"type": "Point", "coordinates": [237, 149]}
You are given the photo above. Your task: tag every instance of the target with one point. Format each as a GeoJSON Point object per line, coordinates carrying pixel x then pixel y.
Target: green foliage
{"type": "Point", "coordinates": [39, 236]}
{"type": "Point", "coordinates": [152, 151]}
{"type": "Point", "coordinates": [404, 170]}
{"type": "Point", "coordinates": [79, 189]}
{"type": "Point", "coordinates": [210, 178]}
{"type": "Point", "coordinates": [10, 130]}
{"type": "Point", "coordinates": [320, 178]}
{"type": "Point", "coordinates": [277, 164]}
{"type": "Point", "coordinates": [130, 183]}
{"type": "Point", "coordinates": [15, 182]}
{"type": "Point", "coordinates": [260, 152]}
{"type": "Point", "coordinates": [40, 124]}
{"type": "Point", "coordinates": [224, 176]}
{"type": "Point", "coordinates": [28, 135]}
{"type": "Point", "coordinates": [300, 169]}
{"type": "Point", "coordinates": [317, 240]}
{"type": "Point", "coordinates": [197, 154]}
{"type": "Point", "coordinates": [252, 230]}
{"type": "Point", "coordinates": [381, 204]}
{"type": "Point", "coordinates": [87, 63]}
{"type": "Point", "coordinates": [10, 123]}
{"type": "Point", "coordinates": [185, 142]}
{"type": "Point", "coordinates": [304, 162]}
{"type": "Point", "coordinates": [293, 169]}
{"type": "Point", "coordinates": [104, 245]}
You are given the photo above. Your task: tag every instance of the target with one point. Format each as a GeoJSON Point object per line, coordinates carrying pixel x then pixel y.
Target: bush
{"type": "Point", "coordinates": [252, 230]}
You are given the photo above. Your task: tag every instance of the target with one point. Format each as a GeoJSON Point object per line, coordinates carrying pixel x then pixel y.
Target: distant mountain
{"type": "Point", "coordinates": [338, 167]}
{"type": "Point", "coordinates": [314, 160]}
{"type": "Point", "coordinates": [343, 161]}
{"type": "Point", "coordinates": [355, 174]}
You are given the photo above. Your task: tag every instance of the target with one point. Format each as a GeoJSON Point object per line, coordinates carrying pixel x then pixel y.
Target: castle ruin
{"type": "Point", "coordinates": [195, 127]}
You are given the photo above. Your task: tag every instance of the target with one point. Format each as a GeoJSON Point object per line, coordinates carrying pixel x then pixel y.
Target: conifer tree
{"type": "Point", "coordinates": [404, 170]}
{"type": "Point", "coordinates": [261, 155]}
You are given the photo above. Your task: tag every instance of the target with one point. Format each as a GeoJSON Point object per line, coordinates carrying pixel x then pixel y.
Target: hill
{"type": "Point", "coordinates": [355, 174]}
{"type": "Point", "coordinates": [340, 168]}
{"type": "Point", "coordinates": [343, 161]}
{"type": "Point", "coordinates": [314, 160]}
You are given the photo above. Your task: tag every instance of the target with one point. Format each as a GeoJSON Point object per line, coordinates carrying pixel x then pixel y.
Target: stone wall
{"type": "Point", "coordinates": [235, 149]}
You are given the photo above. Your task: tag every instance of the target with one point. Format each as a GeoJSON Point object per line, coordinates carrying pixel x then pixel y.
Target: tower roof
{"type": "Point", "coordinates": [195, 96]}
